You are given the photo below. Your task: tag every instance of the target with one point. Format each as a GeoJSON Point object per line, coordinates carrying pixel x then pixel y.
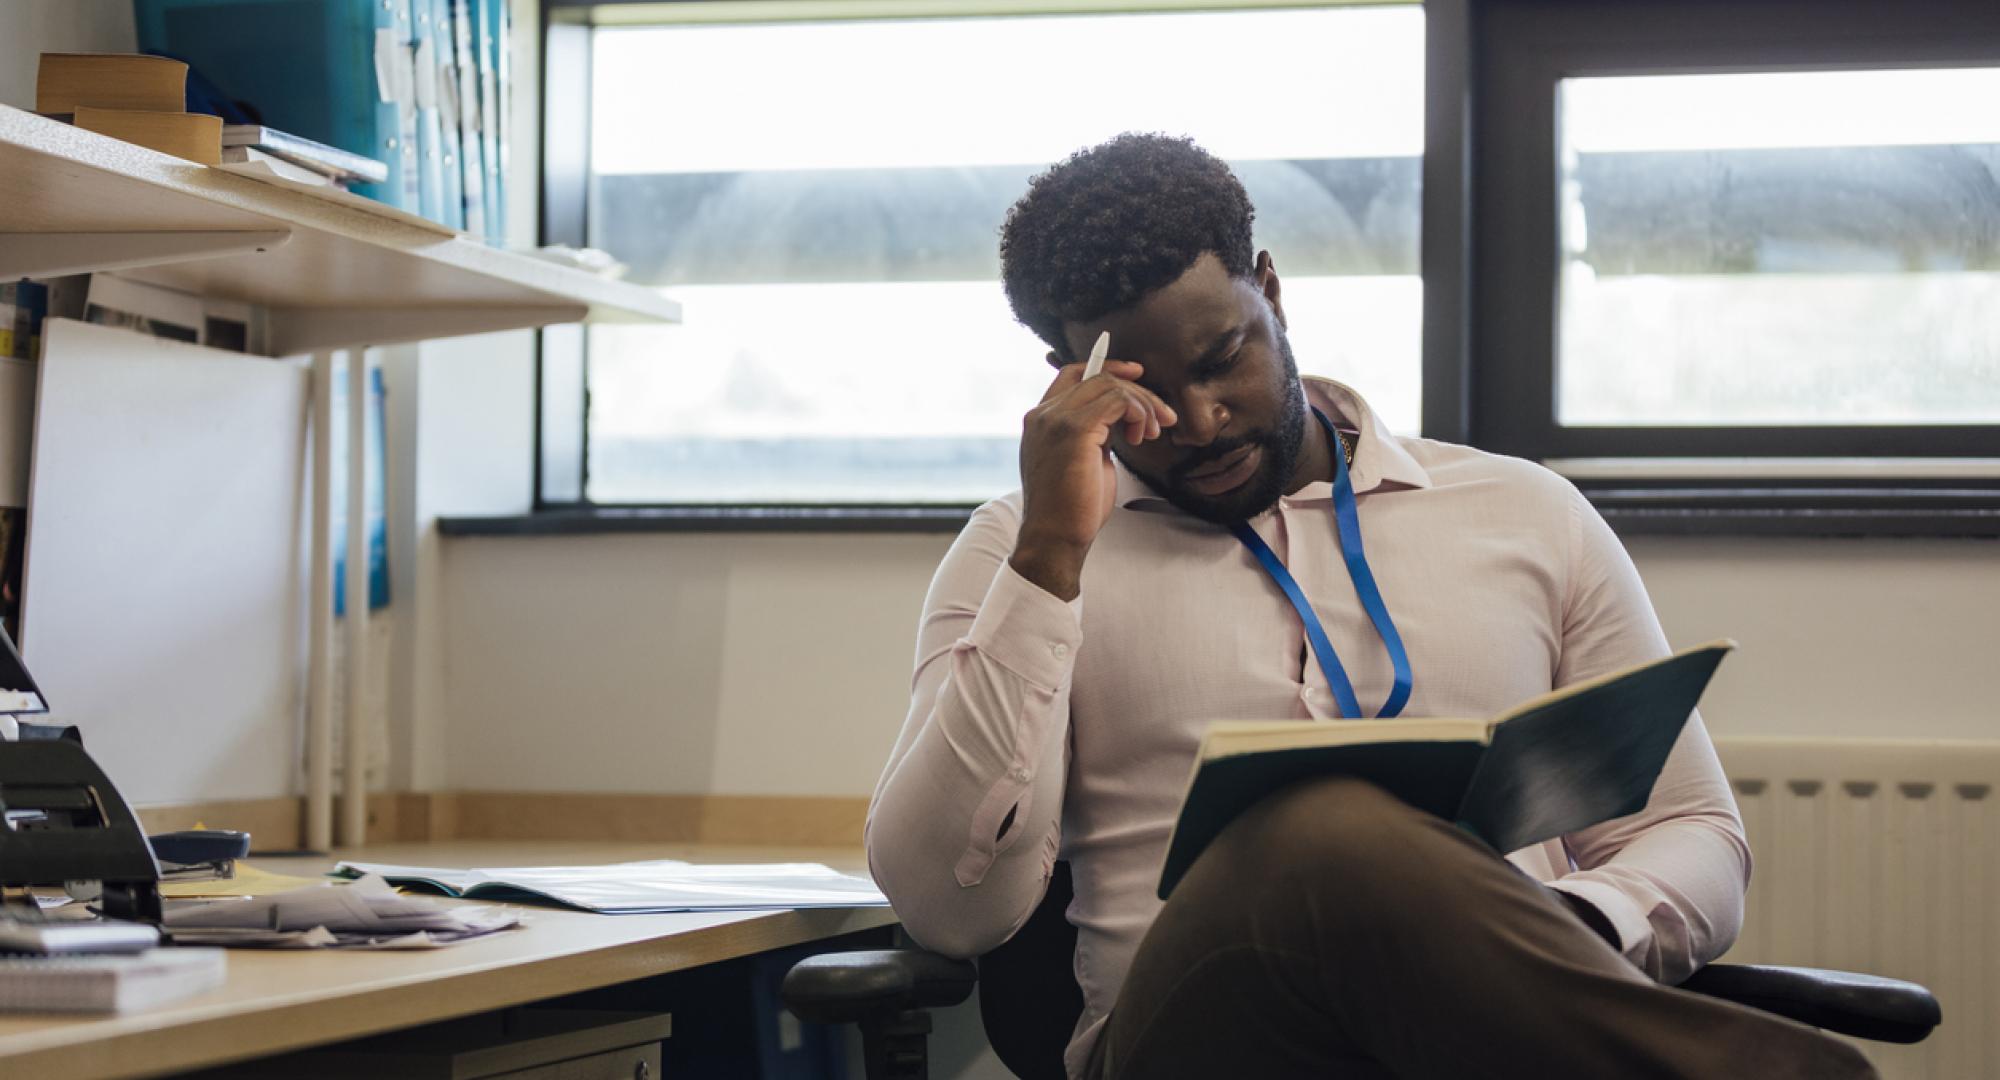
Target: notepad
{"type": "Point", "coordinates": [107, 983]}
{"type": "Point", "coordinates": [661, 885]}
{"type": "Point", "coordinates": [1564, 761]}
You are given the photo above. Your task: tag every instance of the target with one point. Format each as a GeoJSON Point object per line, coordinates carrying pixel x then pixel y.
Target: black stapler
{"type": "Point", "coordinates": [62, 822]}
{"type": "Point", "coordinates": [66, 824]}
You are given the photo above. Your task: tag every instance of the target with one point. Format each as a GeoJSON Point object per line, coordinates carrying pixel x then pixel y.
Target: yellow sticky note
{"type": "Point", "coordinates": [249, 881]}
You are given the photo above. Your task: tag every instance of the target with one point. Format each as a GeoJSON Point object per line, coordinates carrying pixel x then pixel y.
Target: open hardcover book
{"type": "Point", "coordinates": [1561, 762]}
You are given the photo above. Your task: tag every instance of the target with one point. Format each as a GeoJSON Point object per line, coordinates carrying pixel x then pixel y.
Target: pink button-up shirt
{"type": "Point", "coordinates": [1040, 729]}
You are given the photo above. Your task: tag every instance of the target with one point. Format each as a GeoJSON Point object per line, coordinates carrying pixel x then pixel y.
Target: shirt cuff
{"type": "Point", "coordinates": [1025, 629]}
{"type": "Point", "coordinates": [1635, 933]}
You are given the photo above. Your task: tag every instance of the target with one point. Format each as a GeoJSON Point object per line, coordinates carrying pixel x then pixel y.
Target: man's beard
{"type": "Point", "coordinates": [1281, 446]}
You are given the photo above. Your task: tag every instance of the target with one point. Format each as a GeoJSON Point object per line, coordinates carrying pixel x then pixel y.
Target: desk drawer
{"type": "Point", "coordinates": [631, 1063]}
{"type": "Point", "coordinates": [513, 1044]}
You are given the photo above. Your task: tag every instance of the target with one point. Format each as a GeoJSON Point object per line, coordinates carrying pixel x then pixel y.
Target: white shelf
{"type": "Point", "coordinates": [332, 274]}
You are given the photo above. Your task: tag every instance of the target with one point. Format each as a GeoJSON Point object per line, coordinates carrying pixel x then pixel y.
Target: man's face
{"type": "Point", "coordinates": [1214, 348]}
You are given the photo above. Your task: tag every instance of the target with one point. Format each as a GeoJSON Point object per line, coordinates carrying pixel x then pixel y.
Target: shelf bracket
{"type": "Point", "coordinates": [294, 331]}
{"type": "Point", "coordinates": [53, 254]}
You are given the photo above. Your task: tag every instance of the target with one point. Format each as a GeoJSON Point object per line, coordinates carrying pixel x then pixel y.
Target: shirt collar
{"type": "Point", "coordinates": [1379, 458]}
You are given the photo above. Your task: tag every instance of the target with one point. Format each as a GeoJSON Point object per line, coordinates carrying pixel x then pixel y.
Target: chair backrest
{"type": "Point", "coordinates": [1028, 997]}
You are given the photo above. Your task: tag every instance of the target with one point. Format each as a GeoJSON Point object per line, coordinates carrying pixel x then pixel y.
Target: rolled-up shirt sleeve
{"type": "Point", "coordinates": [964, 825]}
{"type": "Point", "coordinates": [1670, 879]}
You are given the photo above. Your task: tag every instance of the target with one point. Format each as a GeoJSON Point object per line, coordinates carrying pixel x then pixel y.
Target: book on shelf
{"type": "Point", "coordinates": [65, 82]}
{"type": "Point", "coordinates": [486, 45]}
{"type": "Point", "coordinates": [196, 137]}
{"type": "Point", "coordinates": [440, 73]}
{"type": "Point", "coordinates": [330, 161]}
{"type": "Point", "coordinates": [503, 71]}
{"type": "Point", "coordinates": [396, 73]}
{"type": "Point", "coordinates": [139, 99]}
{"type": "Point", "coordinates": [185, 135]}
{"type": "Point", "coordinates": [472, 167]}
{"type": "Point", "coordinates": [275, 166]}
{"type": "Point", "coordinates": [108, 983]}
{"type": "Point", "coordinates": [430, 125]}
{"type": "Point", "coordinates": [1564, 761]}
{"type": "Point", "coordinates": [336, 73]}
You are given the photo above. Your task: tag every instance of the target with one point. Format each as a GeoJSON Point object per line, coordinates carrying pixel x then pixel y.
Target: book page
{"type": "Point", "coordinates": [1586, 755]}
{"type": "Point", "coordinates": [1231, 737]}
{"type": "Point", "coordinates": [451, 882]}
{"type": "Point", "coordinates": [1537, 704]}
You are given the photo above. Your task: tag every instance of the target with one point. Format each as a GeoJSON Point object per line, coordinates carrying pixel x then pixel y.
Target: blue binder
{"type": "Point", "coordinates": [374, 500]}
{"type": "Point", "coordinates": [451, 180]}
{"type": "Point", "coordinates": [486, 32]}
{"type": "Point", "coordinates": [472, 158]}
{"type": "Point", "coordinates": [424, 95]}
{"type": "Point", "coordinates": [503, 66]}
{"type": "Point", "coordinates": [325, 69]}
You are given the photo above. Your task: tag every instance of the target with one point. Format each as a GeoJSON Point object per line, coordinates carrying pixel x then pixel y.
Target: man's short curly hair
{"type": "Point", "coordinates": [1112, 223]}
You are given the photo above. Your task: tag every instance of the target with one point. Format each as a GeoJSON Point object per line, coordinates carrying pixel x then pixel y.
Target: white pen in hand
{"type": "Point", "coordinates": [1097, 355]}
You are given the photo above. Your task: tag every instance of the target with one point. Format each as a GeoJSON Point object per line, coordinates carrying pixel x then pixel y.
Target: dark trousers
{"type": "Point", "coordinates": [1332, 931]}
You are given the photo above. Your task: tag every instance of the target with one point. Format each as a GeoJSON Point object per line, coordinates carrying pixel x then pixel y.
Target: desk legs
{"type": "Point", "coordinates": [354, 773]}
{"type": "Point", "coordinates": [319, 703]}
{"type": "Point", "coordinates": [319, 661]}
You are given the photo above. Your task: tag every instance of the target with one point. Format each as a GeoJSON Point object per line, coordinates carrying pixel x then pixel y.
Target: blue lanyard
{"type": "Point", "coordinates": [1349, 524]}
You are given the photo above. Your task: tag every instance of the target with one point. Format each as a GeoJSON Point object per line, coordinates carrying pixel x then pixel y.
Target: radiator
{"type": "Point", "coordinates": [1881, 856]}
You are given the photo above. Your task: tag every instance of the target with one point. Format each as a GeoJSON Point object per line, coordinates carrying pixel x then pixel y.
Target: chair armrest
{"type": "Point", "coordinates": [1864, 1006]}
{"type": "Point", "coordinates": [838, 988]}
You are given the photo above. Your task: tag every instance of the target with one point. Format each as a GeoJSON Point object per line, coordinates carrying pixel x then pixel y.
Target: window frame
{"type": "Point", "coordinates": [1492, 68]}
{"type": "Point", "coordinates": [1521, 52]}
{"type": "Point", "coordinates": [1491, 264]}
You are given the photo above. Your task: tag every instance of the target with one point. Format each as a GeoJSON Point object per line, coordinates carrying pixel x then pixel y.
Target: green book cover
{"type": "Point", "coordinates": [1564, 761]}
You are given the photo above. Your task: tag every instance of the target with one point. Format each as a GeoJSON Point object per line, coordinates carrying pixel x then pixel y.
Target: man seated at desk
{"type": "Point", "coordinates": [1083, 632]}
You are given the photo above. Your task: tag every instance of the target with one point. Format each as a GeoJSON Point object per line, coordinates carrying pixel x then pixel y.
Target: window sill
{"type": "Point", "coordinates": [1633, 508]}
{"type": "Point", "coordinates": [714, 519]}
{"type": "Point", "coordinates": [1777, 508]}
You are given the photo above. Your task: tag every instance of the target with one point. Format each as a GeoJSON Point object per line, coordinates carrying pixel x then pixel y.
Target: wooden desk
{"type": "Point", "coordinates": [279, 1001]}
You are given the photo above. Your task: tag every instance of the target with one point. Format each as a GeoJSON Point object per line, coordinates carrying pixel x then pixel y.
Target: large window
{"type": "Point", "coordinates": [1797, 248]}
{"type": "Point", "coordinates": [1749, 231]}
{"type": "Point", "coordinates": [1731, 265]}
{"type": "Point", "coordinates": [824, 199]}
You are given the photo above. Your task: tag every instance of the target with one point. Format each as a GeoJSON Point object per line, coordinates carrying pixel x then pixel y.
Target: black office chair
{"type": "Point", "coordinates": [1030, 1000]}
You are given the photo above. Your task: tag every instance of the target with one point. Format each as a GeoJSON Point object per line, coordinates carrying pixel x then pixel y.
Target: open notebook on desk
{"type": "Point", "coordinates": [660, 885]}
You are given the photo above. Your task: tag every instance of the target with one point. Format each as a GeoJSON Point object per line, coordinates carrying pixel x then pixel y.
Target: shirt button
{"type": "Point", "coordinates": [1021, 774]}
{"type": "Point", "coordinates": [1060, 650]}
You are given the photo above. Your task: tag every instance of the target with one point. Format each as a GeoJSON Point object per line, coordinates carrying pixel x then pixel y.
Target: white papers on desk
{"type": "Point", "coordinates": [365, 915]}
{"type": "Point", "coordinates": [661, 885]}
{"type": "Point", "coordinates": [107, 983]}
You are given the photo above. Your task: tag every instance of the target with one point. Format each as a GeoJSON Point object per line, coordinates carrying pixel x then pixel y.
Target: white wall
{"type": "Point", "coordinates": [460, 440]}
{"type": "Point", "coordinates": [781, 664]}
{"type": "Point", "coordinates": [29, 28]}
{"type": "Point", "coordinates": [772, 665]}
{"type": "Point", "coordinates": [1839, 637]}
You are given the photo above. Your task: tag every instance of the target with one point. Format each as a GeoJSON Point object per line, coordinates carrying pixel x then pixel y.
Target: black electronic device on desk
{"type": "Point", "coordinates": [65, 824]}
{"type": "Point", "coordinates": [199, 854]}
